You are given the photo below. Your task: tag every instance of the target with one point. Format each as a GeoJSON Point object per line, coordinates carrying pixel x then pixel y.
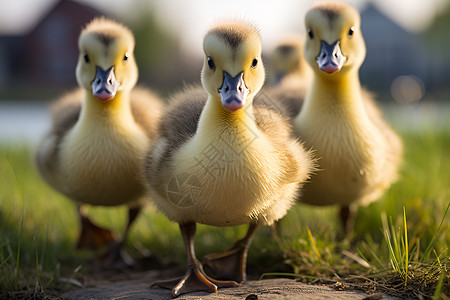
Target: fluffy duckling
{"type": "Point", "coordinates": [290, 77]}
{"type": "Point", "coordinates": [101, 132]}
{"type": "Point", "coordinates": [287, 61]}
{"type": "Point", "coordinates": [358, 153]}
{"type": "Point", "coordinates": [220, 160]}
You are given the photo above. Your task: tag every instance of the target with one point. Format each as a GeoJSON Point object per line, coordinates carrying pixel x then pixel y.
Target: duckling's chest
{"type": "Point", "coordinates": [234, 176]}
{"type": "Point", "coordinates": [350, 153]}
{"type": "Point", "coordinates": [227, 156]}
{"type": "Point", "coordinates": [100, 165]}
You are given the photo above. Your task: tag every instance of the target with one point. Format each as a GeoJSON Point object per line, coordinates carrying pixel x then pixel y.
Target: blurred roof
{"type": "Point", "coordinates": [30, 19]}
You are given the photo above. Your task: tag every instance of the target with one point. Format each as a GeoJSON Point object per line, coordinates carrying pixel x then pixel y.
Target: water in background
{"type": "Point", "coordinates": [25, 122]}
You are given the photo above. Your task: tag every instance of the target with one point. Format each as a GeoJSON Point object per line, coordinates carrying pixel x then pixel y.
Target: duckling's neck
{"type": "Point", "coordinates": [216, 120]}
{"type": "Point", "coordinates": [115, 111]}
{"type": "Point", "coordinates": [331, 94]}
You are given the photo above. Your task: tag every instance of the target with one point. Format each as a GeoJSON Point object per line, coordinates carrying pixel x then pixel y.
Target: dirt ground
{"type": "Point", "coordinates": [136, 285]}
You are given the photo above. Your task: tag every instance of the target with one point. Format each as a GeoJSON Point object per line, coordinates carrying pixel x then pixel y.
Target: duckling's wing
{"type": "Point", "coordinates": [65, 112]}
{"type": "Point", "coordinates": [393, 141]}
{"type": "Point", "coordinates": [178, 125]}
{"type": "Point", "coordinates": [181, 119]}
{"type": "Point", "coordinates": [64, 115]}
{"type": "Point", "coordinates": [147, 109]}
{"type": "Point", "coordinates": [370, 105]}
{"type": "Point", "coordinates": [298, 163]}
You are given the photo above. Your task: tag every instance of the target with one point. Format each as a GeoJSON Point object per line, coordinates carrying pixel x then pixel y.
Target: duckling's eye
{"type": "Point", "coordinates": [254, 63]}
{"type": "Point", "coordinates": [351, 31]}
{"type": "Point", "coordinates": [211, 63]}
{"type": "Point", "coordinates": [86, 58]}
{"type": "Point", "coordinates": [310, 33]}
{"type": "Point", "coordinates": [125, 57]}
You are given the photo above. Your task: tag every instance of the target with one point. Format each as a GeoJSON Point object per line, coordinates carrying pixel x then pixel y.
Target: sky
{"type": "Point", "coordinates": [192, 18]}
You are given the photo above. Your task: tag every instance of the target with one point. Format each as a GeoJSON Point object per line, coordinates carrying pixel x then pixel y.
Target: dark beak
{"type": "Point", "coordinates": [330, 59]}
{"type": "Point", "coordinates": [105, 84]}
{"type": "Point", "coordinates": [233, 92]}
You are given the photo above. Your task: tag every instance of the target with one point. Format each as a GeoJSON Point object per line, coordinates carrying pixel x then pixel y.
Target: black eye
{"type": "Point", "coordinates": [254, 63]}
{"type": "Point", "coordinates": [310, 33]}
{"type": "Point", "coordinates": [351, 31]}
{"type": "Point", "coordinates": [125, 57]}
{"type": "Point", "coordinates": [211, 63]}
{"type": "Point", "coordinates": [86, 58]}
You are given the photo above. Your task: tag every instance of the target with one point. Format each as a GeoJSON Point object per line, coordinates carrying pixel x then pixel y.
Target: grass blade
{"type": "Point", "coordinates": [16, 271]}
{"type": "Point", "coordinates": [437, 291]}
{"type": "Point", "coordinates": [427, 251]}
{"type": "Point", "coordinates": [388, 237]}
{"type": "Point", "coordinates": [4, 261]}
{"type": "Point", "coordinates": [37, 263]}
{"type": "Point", "coordinates": [406, 246]}
{"type": "Point", "coordinates": [313, 243]}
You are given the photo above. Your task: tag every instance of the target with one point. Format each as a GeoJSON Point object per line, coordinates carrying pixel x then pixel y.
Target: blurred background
{"type": "Point", "coordinates": [407, 62]}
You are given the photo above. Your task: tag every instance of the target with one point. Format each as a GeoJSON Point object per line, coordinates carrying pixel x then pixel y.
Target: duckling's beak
{"type": "Point", "coordinates": [105, 84]}
{"type": "Point", "coordinates": [233, 92]}
{"type": "Point", "coordinates": [330, 59]}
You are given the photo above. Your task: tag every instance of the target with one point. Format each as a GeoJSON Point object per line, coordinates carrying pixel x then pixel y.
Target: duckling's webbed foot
{"type": "Point", "coordinates": [93, 236]}
{"type": "Point", "coordinates": [231, 264]}
{"type": "Point", "coordinates": [195, 280]}
{"type": "Point", "coordinates": [116, 257]}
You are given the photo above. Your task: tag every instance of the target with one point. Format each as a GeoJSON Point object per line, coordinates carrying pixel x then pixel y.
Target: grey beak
{"type": "Point", "coordinates": [233, 92]}
{"type": "Point", "coordinates": [105, 84]}
{"type": "Point", "coordinates": [330, 59]}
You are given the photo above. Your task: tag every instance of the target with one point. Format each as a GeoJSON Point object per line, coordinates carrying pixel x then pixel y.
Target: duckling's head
{"type": "Point", "coordinates": [334, 43]}
{"type": "Point", "coordinates": [233, 71]}
{"type": "Point", "coordinates": [106, 62]}
{"type": "Point", "coordinates": [287, 57]}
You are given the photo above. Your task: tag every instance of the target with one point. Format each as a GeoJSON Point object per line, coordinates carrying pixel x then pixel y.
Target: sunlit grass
{"type": "Point", "coordinates": [400, 243]}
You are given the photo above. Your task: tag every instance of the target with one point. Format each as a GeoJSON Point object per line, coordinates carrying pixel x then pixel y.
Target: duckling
{"type": "Point", "coordinates": [359, 154]}
{"type": "Point", "coordinates": [100, 134]}
{"type": "Point", "coordinates": [287, 61]}
{"type": "Point", "coordinates": [290, 77]}
{"type": "Point", "coordinates": [222, 161]}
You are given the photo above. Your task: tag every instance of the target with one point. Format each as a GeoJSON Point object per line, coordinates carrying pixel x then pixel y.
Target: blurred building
{"type": "Point", "coordinates": [393, 51]}
{"type": "Point", "coordinates": [40, 63]}
{"type": "Point", "coordinates": [47, 54]}
{"type": "Point", "coordinates": [44, 57]}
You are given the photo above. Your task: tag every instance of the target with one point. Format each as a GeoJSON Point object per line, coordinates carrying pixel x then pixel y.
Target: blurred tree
{"type": "Point", "coordinates": [155, 46]}
{"type": "Point", "coordinates": [436, 35]}
{"type": "Point", "coordinates": [437, 40]}
{"type": "Point", "coordinates": [162, 64]}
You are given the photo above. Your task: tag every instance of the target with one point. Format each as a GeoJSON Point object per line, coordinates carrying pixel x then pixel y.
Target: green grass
{"type": "Point", "coordinates": [400, 244]}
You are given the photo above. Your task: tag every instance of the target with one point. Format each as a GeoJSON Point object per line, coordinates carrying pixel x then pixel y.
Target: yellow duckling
{"type": "Point", "coordinates": [220, 160]}
{"type": "Point", "coordinates": [290, 77]}
{"type": "Point", "coordinates": [287, 61]}
{"type": "Point", "coordinates": [358, 153]}
{"type": "Point", "coordinates": [101, 133]}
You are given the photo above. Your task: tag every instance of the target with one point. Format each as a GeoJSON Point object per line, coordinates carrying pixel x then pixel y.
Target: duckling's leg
{"type": "Point", "coordinates": [91, 235]}
{"type": "Point", "coordinates": [347, 215]}
{"type": "Point", "coordinates": [231, 264]}
{"type": "Point", "coordinates": [195, 278]}
{"type": "Point", "coordinates": [116, 256]}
